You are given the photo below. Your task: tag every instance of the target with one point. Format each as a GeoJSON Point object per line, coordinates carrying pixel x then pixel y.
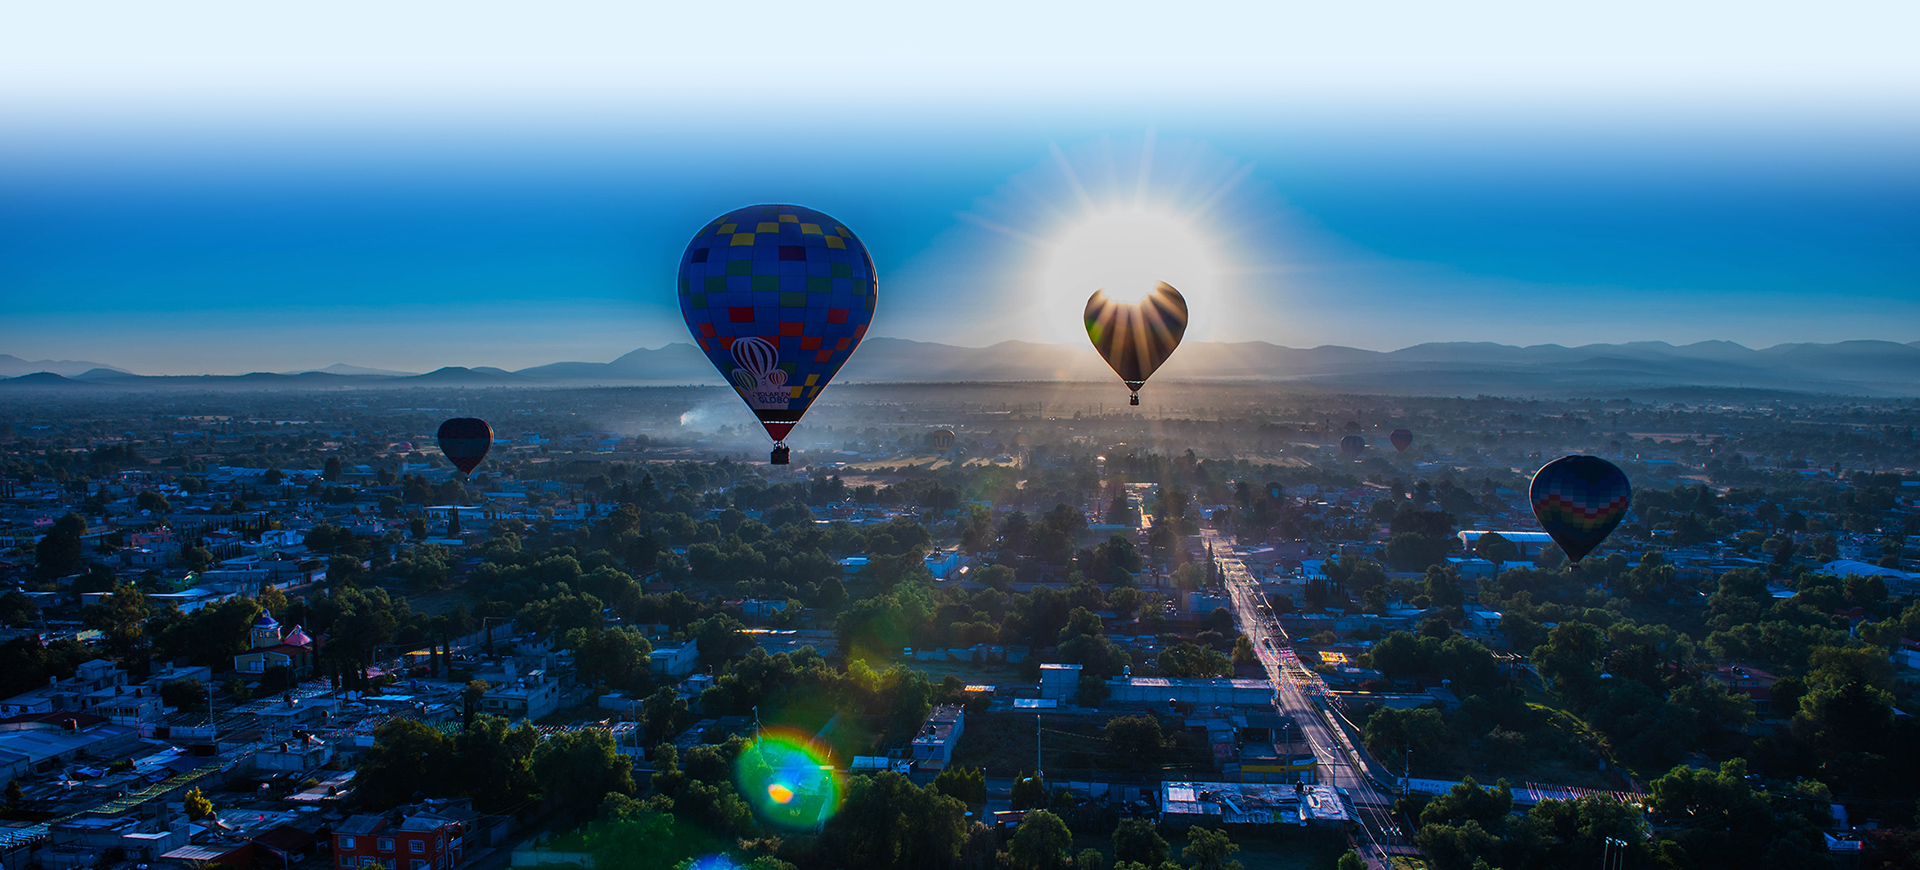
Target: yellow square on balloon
{"type": "Point", "coordinates": [832, 242]}
{"type": "Point", "coordinates": [796, 392]}
{"type": "Point", "coordinates": [789, 218]}
{"type": "Point", "coordinates": [810, 229]}
{"type": "Point", "coordinates": [767, 227]}
{"type": "Point", "coordinates": [742, 239]}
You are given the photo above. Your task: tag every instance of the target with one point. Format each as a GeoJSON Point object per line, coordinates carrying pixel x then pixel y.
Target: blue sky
{"type": "Point", "coordinates": [220, 190]}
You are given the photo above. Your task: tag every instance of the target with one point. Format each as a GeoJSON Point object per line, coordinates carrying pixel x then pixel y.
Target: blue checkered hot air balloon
{"type": "Point", "coordinates": [778, 297]}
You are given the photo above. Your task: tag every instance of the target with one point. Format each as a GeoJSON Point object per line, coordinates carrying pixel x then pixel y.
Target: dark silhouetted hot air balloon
{"type": "Point", "coordinates": [1402, 439]}
{"type": "Point", "coordinates": [1275, 491]}
{"type": "Point", "coordinates": [1137, 337]}
{"type": "Point", "coordinates": [778, 296]}
{"type": "Point", "coordinates": [943, 440]}
{"type": "Point", "coordinates": [1353, 446]}
{"type": "Point", "coordinates": [465, 441]}
{"type": "Point", "coordinates": [1579, 500]}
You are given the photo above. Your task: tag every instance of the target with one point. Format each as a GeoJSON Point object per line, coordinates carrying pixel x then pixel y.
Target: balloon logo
{"type": "Point", "coordinates": [465, 442]}
{"type": "Point", "coordinates": [1353, 446]}
{"type": "Point", "coordinates": [1137, 338]}
{"type": "Point", "coordinates": [777, 297]}
{"type": "Point", "coordinates": [1579, 500]}
{"type": "Point", "coordinates": [1402, 439]}
{"type": "Point", "coordinates": [943, 440]}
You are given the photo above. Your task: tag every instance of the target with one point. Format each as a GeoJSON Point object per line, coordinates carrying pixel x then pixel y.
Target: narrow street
{"type": "Point", "coordinates": [1299, 694]}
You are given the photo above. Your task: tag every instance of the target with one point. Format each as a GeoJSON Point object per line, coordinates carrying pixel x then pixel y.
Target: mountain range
{"type": "Point", "coordinates": [1867, 368]}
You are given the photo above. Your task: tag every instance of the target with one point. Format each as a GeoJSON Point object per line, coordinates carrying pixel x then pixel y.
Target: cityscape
{"type": "Point", "coordinates": [1225, 435]}
{"type": "Point", "coordinates": [998, 623]}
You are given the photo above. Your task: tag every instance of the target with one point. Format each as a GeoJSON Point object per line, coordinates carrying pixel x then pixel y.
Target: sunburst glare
{"type": "Point", "coordinates": [1120, 217]}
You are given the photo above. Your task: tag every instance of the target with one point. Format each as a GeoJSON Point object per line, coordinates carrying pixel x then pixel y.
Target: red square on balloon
{"type": "Point", "coordinates": [744, 314]}
{"type": "Point", "coordinates": [823, 356]}
{"type": "Point", "coordinates": [791, 328]}
{"type": "Point", "coordinates": [836, 315]}
{"type": "Point", "coordinates": [811, 342]}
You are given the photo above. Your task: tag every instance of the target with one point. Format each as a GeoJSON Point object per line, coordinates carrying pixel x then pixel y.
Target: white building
{"type": "Point", "coordinates": [674, 660]}
{"type": "Point", "coordinates": [1059, 682]}
{"type": "Point", "coordinates": [940, 734]}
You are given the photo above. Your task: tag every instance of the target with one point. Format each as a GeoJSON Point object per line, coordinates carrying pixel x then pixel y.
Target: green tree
{"type": "Point", "coordinates": [1029, 792]}
{"type": "Point", "coordinates": [1210, 850]}
{"type": "Point", "coordinates": [197, 805]}
{"type": "Point", "coordinates": [1041, 842]}
{"type": "Point", "coordinates": [1186, 659]}
{"type": "Point", "coordinates": [615, 656]}
{"type": "Point", "coordinates": [61, 551]}
{"type": "Point", "coordinates": [122, 618]}
{"type": "Point", "coordinates": [578, 769]}
{"type": "Point", "coordinates": [965, 784]}
{"type": "Point", "coordinates": [496, 762]}
{"type": "Point", "coordinates": [1089, 859]}
{"type": "Point", "coordinates": [887, 821]}
{"type": "Point", "coordinates": [407, 758]}
{"type": "Point", "coordinates": [470, 696]}
{"type": "Point", "coordinates": [1351, 861]}
{"type": "Point", "coordinates": [1137, 840]}
{"type": "Point", "coordinates": [1135, 739]}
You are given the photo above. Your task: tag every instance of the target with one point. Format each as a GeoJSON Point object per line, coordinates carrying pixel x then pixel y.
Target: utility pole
{"type": "Point", "coordinates": [1037, 737]}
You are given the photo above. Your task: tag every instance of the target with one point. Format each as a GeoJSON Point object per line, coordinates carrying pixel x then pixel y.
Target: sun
{"type": "Point", "coordinates": [1124, 251]}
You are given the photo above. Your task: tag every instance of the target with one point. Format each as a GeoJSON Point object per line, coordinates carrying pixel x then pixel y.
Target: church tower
{"type": "Point", "coordinates": [266, 631]}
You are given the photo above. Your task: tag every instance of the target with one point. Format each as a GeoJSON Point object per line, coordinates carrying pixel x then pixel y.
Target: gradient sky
{"type": "Point", "coordinates": [224, 187]}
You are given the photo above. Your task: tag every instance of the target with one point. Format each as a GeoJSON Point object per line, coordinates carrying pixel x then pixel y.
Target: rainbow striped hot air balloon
{"type": "Point", "coordinates": [1579, 500]}
{"type": "Point", "coordinates": [778, 297]}
{"type": "Point", "coordinates": [1136, 338]}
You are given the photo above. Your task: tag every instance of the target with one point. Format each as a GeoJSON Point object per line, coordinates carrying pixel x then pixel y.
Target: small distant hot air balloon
{"type": "Point", "coordinates": [777, 296]}
{"type": "Point", "coordinates": [1579, 500]}
{"type": "Point", "coordinates": [943, 440]}
{"type": "Point", "coordinates": [1353, 446]}
{"type": "Point", "coordinates": [1402, 439]}
{"type": "Point", "coordinates": [1137, 337]}
{"type": "Point", "coordinates": [465, 442]}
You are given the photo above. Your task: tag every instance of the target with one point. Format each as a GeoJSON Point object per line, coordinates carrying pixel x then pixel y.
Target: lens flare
{"type": "Point", "coordinates": [791, 781]}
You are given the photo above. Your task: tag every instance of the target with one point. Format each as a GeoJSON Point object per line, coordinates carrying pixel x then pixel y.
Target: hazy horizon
{"type": "Point", "coordinates": [256, 190]}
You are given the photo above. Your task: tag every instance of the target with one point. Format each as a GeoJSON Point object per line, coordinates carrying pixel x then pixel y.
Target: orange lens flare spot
{"type": "Point", "coordinates": [780, 793]}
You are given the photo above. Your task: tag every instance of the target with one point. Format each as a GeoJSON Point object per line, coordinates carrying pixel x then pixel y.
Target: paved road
{"type": "Point", "coordinates": [1341, 763]}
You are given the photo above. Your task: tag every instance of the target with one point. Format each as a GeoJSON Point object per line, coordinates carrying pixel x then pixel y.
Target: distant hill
{"type": "Point", "coordinates": [345, 369]}
{"type": "Point", "coordinates": [1867, 368]}
{"type": "Point", "coordinates": [13, 366]}
{"type": "Point", "coordinates": [42, 379]}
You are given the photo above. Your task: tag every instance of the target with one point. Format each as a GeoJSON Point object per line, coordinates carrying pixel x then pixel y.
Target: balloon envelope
{"type": "Point", "coordinates": [1402, 439]}
{"type": "Point", "coordinates": [465, 441]}
{"type": "Point", "coordinates": [943, 439]}
{"type": "Point", "coordinates": [1579, 500]}
{"type": "Point", "coordinates": [1137, 337]}
{"type": "Point", "coordinates": [778, 297]}
{"type": "Point", "coordinates": [1353, 445]}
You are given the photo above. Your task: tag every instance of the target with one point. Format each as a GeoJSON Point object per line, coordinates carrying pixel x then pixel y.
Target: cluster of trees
{"type": "Point", "coordinates": [501, 767]}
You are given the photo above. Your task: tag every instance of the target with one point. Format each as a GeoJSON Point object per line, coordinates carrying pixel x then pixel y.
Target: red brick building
{"type": "Point", "coordinates": [419, 840]}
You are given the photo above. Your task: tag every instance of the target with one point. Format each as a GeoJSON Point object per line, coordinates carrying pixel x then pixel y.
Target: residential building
{"type": "Point", "coordinates": [427, 839]}
{"type": "Point", "coordinates": [940, 734]}
{"type": "Point", "coordinates": [295, 651]}
{"type": "Point", "coordinates": [674, 660]}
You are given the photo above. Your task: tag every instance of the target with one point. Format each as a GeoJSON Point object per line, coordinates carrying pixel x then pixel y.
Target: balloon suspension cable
{"type": "Point", "coordinates": [780, 453]}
